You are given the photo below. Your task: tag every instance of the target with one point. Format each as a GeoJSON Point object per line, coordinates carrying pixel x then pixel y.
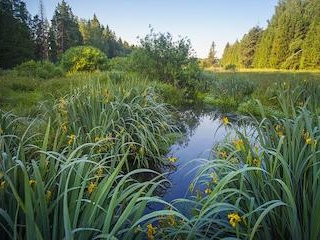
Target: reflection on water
{"type": "Point", "coordinates": [202, 131]}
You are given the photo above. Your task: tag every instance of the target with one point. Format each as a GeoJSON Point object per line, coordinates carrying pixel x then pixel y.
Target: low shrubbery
{"type": "Point", "coordinates": [84, 58]}
{"type": "Point", "coordinates": [33, 69]}
{"type": "Point", "coordinates": [162, 58]}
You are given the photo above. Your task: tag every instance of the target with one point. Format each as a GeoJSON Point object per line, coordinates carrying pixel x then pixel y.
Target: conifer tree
{"type": "Point", "coordinates": [16, 43]}
{"type": "Point", "coordinates": [65, 28]}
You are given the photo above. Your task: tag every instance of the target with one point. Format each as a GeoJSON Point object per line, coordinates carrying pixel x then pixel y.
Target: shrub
{"type": "Point", "coordinates": [119, 64]}
{"type": "Point", "coordinates": [230, 67]}
{"type": "Point", "coordinates": [35, 69]}
{"type": "Point", "coordinates": [84, 58]}
{"type": "Point", "coordinates": [164, 59]}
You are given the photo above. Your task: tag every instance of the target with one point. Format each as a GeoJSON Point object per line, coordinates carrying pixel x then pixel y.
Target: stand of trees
{"type": "Point", "coordinates": [290, 41]}
{"type": "Point", "coordinates": [23, 37]}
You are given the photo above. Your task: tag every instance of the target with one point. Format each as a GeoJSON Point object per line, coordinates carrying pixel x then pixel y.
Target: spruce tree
{"type": "Point", "coordinates": [16, 43]}
{"type": "Point", "coordinates": [65, 28]}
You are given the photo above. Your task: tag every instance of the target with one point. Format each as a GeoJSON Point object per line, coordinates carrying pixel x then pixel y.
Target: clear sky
{"type": "Point", "coordinates": [202, 21]}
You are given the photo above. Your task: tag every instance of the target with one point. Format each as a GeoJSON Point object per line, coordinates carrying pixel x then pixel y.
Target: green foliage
{"type": "Point", "coordinates": [120, 64]}
{"type": "Point", "coordinates": [64, 30]}
{"type": "Point", "coordinates": [63, 178]}
{"type": "Point", "coordinates": [103, 38]}
{"type": "Point", "coordinates": [46, 194]}
{"type": "Point", "coordinates": [16, 45]}
{"type": "Point", "coordinates": [163, 59]}
{"type": "Point", "coordinates": [45, 70]}
{"type": "Point", "coordinates": [249, 44]}
{"type": "Point", "coordinates": [212, 58]}
{"type": "Point", "coordinates": [232, 55]}
{"type": "Point", "coordinates": [125, 113]}
{"type": "Point", "coordinates": [84, 58]}
{"type": "Point", "coordinates": [260, 184]}
{"type": "Point", "coordinates": [230, 67]}
{"type": "Point", "coordinates": [289, 41]}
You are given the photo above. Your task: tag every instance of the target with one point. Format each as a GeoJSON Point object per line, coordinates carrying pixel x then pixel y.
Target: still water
{"type": "Point", "coordinates": [202, 132]}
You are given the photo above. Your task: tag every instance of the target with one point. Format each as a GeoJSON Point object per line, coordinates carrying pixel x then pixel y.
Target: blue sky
{"type": "Point", "coordinates": [202, 21]}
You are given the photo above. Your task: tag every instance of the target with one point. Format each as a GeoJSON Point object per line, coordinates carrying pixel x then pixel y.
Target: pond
{"type": "Point", "coordinates": [202, 130]}
{"type": "Point", "coordinates": [196, 145]}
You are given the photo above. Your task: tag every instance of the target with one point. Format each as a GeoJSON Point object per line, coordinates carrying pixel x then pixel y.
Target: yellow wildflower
{"type": "Point", "coordinates": [151, 231]}
{"type": "Point", "coordinates": [279, 130]}
{"type": "Point", "coordinates": [97, 139]}
{"type": "Point", "coordinates": [239, 144]}
{"type": "Point", "coordinates": [207, 191]}
{"type": "Point", "coordinates": [172, 220]}
{"type": "Point", "coordinates": [64, 127]}
{"type": "Point", "coordinates": [72, 138]}
{"type": "Point", "coordinates": [32, 182]}
{"type": "Point", "coordinates": [91, 187]}
{"type": "Point", "coordinates": [48, 195]}
{"type": "Point", "coordinates": [308, 141]}
{"type": "Point", "coordinates": [234, 219]}
{"type": "Point", "coordinates": [256, 162]}
{"type": "Point", "coordinates": [99, 172]}
{"type": "Point", "coordinates": [225, 121]}
{"type": "Point", "coordinates": [172, 159]}
{"type": "Point", "coordinates": [223, 154]}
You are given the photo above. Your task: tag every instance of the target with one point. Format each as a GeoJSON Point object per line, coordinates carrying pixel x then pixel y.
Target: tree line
{"type": "Point", "coordinates": [23, 37]}
{"type": "Point", "coordinates": [290, 41]}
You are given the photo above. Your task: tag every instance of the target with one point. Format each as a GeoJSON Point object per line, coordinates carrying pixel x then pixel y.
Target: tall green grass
{"type": "Point", "coordinates": [120, 117]}
{"type": "Point", "coordinates": [259, 186]}
{"type": "Point", "coordinates": [66, 194]}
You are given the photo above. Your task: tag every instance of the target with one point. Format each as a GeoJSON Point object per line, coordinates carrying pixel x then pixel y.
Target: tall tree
{"type": "Point", "coordinates": [232, 55]}
{"type": "Point", "coordinates": [65, 28]}
{"type": "Point", "coordinates": [212, 58]}
{"type": "Point", "coordinates": [249, 44]}
{"type": "Point", "coordinates": [16, 43]}
{"type": "Point", "coordinates": [41, 34]}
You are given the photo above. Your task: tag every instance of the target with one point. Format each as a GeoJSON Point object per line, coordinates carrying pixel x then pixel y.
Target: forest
{"type": "Point", "coordinates": [102, 139]}
{"type": "Point", "coordinates": [289, 42]}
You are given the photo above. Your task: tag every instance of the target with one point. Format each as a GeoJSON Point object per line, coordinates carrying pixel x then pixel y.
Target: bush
{"type": "Point", "coordinates": [84, 58]}
{"type": "Point", "coordinates": [119, 64]}
{"type": "Point", "coordinates": [35, 69]}
{"type": "Point", "coordinates": [169, 61]}
{"type": "Point", "coordinates": [230, 67]}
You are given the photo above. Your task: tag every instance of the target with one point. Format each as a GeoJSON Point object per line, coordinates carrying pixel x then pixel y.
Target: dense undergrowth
{"type": "Point", "coordinates": [83, 169]}
{"type": "Point", "coordinates": [86, 163]}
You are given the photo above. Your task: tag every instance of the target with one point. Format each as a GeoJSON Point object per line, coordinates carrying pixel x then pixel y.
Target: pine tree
{"type": "Point", "coordinates": [249, 44]}
{"type": "Point", "coordinates": [65, 28]}
{"type": "Point", "coordinates": [212, 59]}
{"type": "Point", "coordinates": [16, 43]}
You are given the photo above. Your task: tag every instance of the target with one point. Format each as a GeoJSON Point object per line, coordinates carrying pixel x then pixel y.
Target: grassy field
{"type": "Point", "coordinates": [238, 91]}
